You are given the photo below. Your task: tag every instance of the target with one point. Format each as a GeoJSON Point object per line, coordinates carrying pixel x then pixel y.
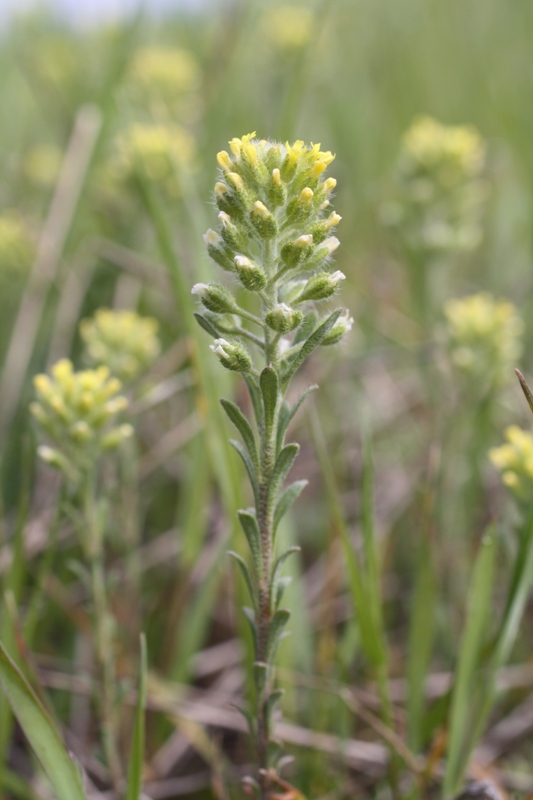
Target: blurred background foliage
{"type": "Point", "coordinates": [107, 165]}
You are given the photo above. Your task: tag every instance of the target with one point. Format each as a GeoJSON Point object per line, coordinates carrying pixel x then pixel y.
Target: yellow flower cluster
{"type": "Point", "coordinates": [123, 341]}
{"type": "Point", "coordinates": [78, 412]}
{"type": "Point", "coordinates": [164, 71]}
{"type": "Point", "coordinates": [289, 27]}
{"type": "Point", "coordinates": [514, 460]}
{"type": "Point", "coordinates": [16, 244]}
{"type": "Point", "coordinates": [158, 153]}
{"type": "Point", "coordinates": [440, 187]}
{"type": "Point", "coordinates": [449, 152]}
{"type": "Point", "coordinates": [484, 336]}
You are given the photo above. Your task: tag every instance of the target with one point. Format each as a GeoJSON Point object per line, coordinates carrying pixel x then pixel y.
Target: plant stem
{"type": "Point", "coordinates": [103, 632]}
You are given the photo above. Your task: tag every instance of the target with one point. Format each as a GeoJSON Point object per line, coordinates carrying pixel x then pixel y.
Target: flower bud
{"type": "Point", "coordinates": [321, 286]}
{"type": "Point", "coordinates": [224, 160]}
{"type": "Point", "coordinates": [301, 207]}
{"type": "Point", "coordinates": [295, 253]}
{"type": "Point", "coordinates": [217, 251]}
{"type": "Point", "coordinates": [114, 438]}
{"type": "Point", "coordinates": [321, 228]}
{"type": "Point", "coordinates": [277, 191]}
{"type": "Point", "coordinates": [343, 326]}
{"type": "Point", "coordinates": [251, 275]}
{"type": "Point", "coordinates": [232, 355]}
{"type": "Point", "coordinates": [326, 249]}
{"type": "Point", "coordinates": [263, 221]}
{"type": "Point", "coordinates": [283, 318]}
{"type": "Point", "coordinates": [233, 236]}
{"type": "Point", "coordinates": [214, 297]}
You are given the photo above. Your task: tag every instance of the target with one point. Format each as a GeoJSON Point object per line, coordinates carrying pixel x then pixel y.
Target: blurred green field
{"type": "Point", "coordinates": [417, 678]}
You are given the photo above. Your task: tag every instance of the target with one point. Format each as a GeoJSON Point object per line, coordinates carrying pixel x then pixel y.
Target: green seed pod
{"type": "Point", "coordinates": [234, 237]}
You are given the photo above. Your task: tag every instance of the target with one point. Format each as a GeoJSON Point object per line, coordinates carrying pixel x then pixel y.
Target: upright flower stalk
{"type": "Point", "coordinates": [275, 239]}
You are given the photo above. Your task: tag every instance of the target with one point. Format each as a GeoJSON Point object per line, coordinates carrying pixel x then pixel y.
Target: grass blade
{"type": "Point", "coordinates": [62, 772]}
{"type": "Point", "coordinates": [468, 662]}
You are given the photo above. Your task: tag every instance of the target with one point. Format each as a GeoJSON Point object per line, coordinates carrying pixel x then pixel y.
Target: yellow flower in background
{"type": "Point", "coordinates": [164, 71]}
{"type": "Point", "coordinates": [450, 153]}
{"type": "Point", "coordinates": [42, 164]}
{"type": "Point", "coordinates": [514, 460]}
{"type": "Point", "coordinates": [289, 27]}
{"type": "Point", "coordinates": [78, 412]}
{"type": "Point", "coordinates": [484, 337]}
{"type": "Point", "coordinates": [123, 341]}
{"type": "Point", "coordinates": [16, 245]}
{"type": "Point", "coordinates": [159, 153]}
{"type": "Point", "coordinates": [440, 187]}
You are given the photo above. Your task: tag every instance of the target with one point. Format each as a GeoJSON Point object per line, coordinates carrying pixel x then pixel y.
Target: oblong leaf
{"type": "Point", "coordinates": [284, 462]}
{"type": "Point", "coordinates": [243, 426]}
{"type": "Point", "coordinates": [251, 531]}
{"type": "Point", "coordinates": [287, 415]}
{"type": "Point", "coordinates": [206, 324]}
{"type": "Point", "coordinates": [310, 344]}
{"type": "Point", "coordinates": [247, 461]}
{"type": "Point", "coordinates": [277, 625]}
{"type": "Point", "coordinates": [276, 572]}
{"type": "Point", "coordinates": [243, 566]}
{"type": "Point", "coordinates": [269, 384]}
{"type": "Point", "coordinates": [44, 739]}
{"type": "Point", "coordinates": [291, 493]}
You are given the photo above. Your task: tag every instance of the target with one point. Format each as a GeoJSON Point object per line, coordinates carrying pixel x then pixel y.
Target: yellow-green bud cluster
{"type": "Point", "coordinates": [275, 225]}
{"type": "Point", "coordinates": [79, 413]}
{"type": "Point", "coordinates": [484, 338]}
{"type": "Point", "coordinates": [514, 460]}
{"type": "Point", "coordinates": [289, 27]}
{"type": "Point", "coordinates": [156, 153]}
{"type": "Point", "coordinates": [440, 187]}
{"type": "Point", "coordinates": [164, 72]}
{"type": "Point", "coordinates": [123, 341]}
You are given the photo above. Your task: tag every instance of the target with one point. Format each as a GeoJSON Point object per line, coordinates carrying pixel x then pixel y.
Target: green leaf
{"type": "Point", "coordinates": [248, 464]}
{"type": "Point", "coordinates": [271, 703]}
{"type": "Point", "coordinates": [206, 324]}
{"type": "Point", "coordinates": [284, 462]}
{"type": "Point", "coordinates": [282, 584]}
{"type": "Point", "coordinates": [291, 493]}
{"type": "Point", "coordinates": [288, 414]}
{"type": "Point", "coordinates": [525, 388]}
{"type": "Point", "coordinates": [243, 426]}
{"type": "Point", "coordinates": [255, 394]}
{"type": "Point", "coordinates": [135, 771]}
{"type": "Point", "coordinates": [468, 663]}
{"type": "Point", "coordinates": [277, 624]}
{"type": "Point", "coordinates": [61, 770]}
{"type": "Point", "coordinates": [251, 531]}
{"type": "Point", "coordinates": [245, 572]}
{"type": "Point", "coordinates": [249, 613]}
{"type": "Point", "coordinates": [276, 572]}
{"type": "Point", "coordinates": [309, 345]}
{"type": "Point", "coordinates": [269, 385]}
